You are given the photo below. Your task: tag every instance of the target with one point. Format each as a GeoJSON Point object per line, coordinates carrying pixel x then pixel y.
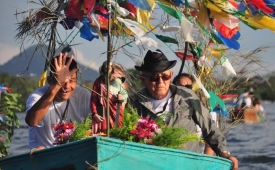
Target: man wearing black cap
{"type": "Point", "coordinates": [159, 97]}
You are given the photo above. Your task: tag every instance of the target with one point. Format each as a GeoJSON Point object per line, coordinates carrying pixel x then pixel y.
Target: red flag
{"type": "Point", "coordinates": [188, 56]}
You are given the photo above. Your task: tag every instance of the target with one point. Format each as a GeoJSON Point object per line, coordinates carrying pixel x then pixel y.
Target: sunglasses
{"type": "Point", "coordinates": [122, 79]}
{"type": "Point", "coordinates": [189, 86]}
{"type": "Point", "coordinates": [154, 78]}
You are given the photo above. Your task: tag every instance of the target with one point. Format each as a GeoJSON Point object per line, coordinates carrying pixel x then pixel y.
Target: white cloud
{"type": "Point", "coordinates": [79, 57]}
{"type": "Point", "coordinates": [7, 52]}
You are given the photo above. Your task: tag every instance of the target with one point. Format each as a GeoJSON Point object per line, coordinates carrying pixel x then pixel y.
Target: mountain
{"type": "Point", "coordinates": [29, 64]}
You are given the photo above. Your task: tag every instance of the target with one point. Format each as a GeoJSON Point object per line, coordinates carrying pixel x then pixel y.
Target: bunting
{"type": "Point", "coordinates": [186, 26]}
{"type": "Point", "coordinates": [143, 16]}
{"type": "Point", "coordinates": [166, 39]}
{"type": "Point", "coordinates": [138, 30]}
{"type": "Point", "coordinates": [43, 78]}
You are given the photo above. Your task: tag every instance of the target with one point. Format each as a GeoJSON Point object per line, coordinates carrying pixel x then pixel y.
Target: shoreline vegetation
{"type": "Point", "coordinates": [25, 85]}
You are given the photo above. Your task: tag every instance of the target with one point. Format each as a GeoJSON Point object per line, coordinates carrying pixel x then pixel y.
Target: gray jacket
{"type": "Point", "coordinates": [187, 112]}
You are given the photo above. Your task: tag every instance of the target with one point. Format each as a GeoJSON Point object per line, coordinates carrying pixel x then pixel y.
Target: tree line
{"type": "Point", "coordinates": [263, 89]}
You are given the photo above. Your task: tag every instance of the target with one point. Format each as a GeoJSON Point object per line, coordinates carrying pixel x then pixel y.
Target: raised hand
{"type": "Point", "coordinates": [62, 72]}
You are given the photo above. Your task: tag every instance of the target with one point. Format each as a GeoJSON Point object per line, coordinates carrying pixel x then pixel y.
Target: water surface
{"type": "Point", "coordinates": [252, 144]}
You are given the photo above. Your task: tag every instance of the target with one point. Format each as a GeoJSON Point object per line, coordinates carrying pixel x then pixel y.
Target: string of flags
{"type": "Point", "coordinates": [211, 26]}
{"type": "Point", "coordinates": [218, 20]}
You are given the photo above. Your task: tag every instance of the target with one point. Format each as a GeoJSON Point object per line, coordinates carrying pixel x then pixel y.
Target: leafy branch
{"type": "Point", "coordinates": [8, 108]}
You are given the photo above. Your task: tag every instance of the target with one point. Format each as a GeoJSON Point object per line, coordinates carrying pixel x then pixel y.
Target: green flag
{"type": "Point", "coordinates": [166, 39]}
{"type": "Point", "coordinates": [185, 25]}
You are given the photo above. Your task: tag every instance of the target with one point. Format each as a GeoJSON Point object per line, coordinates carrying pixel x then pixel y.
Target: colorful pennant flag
{"type": "Point", "coordinates": [228, 66]}
{"type": "Point", "coordinates": [143, 16]}
{"type": "Point", "coordinates": [186, 26]}
{"type": "Point", "coordinates": [43, 78]}
{"type": "Point", "coordinates": [188, 56]}
{"type": "Point", "coordinates": [4, 89]}
{"type": "Point", "coordinates": [214, 100]}
{"type": "Point", "coordinates": [85, 31]}
{"type": "Point", "coordinates": [201, 86]}
{"type": "Point", "coordinates": [166, 39]}
{"type": "Point", "coordinates": [122, 11]}
{"type": "Point", "coordinates": [165, 28]}
{"type": "Point", "coordinates": [142, 4]}
{"type": "Point", "coordinates": [137, 29]}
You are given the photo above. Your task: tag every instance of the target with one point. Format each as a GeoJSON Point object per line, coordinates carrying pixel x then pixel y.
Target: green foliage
{"type": "Point", "coordinates": [174, 137]}
{"type": "Point", "coordinates": [171, 137]}
{"type": "Point", "coordinates": [21, 85]}
{"type": "Point", "coordinates": [82, 130]}
{"type": "Point", "coordinates": [129, 123]}
{"type": "Point", "coordinates": [8, 107]}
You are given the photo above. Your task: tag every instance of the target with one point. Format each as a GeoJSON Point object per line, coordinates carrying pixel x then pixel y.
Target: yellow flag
{"type": "Point", "coordinates": [204, 17]}
{"type": "Point", "coordinates": [212, 6]}
{"type": "Point", "coordinates": [119, 30]}
{"type": "Point", "coordinates": [168, 3]}
{"type": "Point", "coordinates": [143, 16]}
{"type": "Point", "coordinates": [259, 21]}
{"type": "Point", "coordinates": [42, 80]}
{"type": "Point", "coordinates": [217, 52]}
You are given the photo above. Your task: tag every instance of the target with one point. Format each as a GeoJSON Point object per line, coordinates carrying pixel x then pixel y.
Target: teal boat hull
{"type": "Point", "coordinates": [107, 153]}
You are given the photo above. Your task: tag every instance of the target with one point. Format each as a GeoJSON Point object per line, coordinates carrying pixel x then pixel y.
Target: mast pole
{"type": "Point", "coordinates": [184, 57]}
{"type": "Point", "coordinates": [109, 58]}
{"type": "Point", "coordinates": [52, 43]}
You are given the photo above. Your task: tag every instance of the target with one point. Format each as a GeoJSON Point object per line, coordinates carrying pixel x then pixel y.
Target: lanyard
{"type": "Point", "coordinates": [64, 115]}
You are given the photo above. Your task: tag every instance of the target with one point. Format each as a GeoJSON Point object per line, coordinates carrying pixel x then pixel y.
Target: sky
{"type": "Point", "coordinates": [89, 53]}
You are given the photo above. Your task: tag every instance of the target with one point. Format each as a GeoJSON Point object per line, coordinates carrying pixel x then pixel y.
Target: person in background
{"type": "Point", "coordinates": [160, 96]}
{"type": "Point", "coordinates": [258, 106]}
{"type": "Point", "coordinates": [117, 94]}
{"type": "Point", "coordinates": [245, 99]}
{"type": "Point", "coordinates": [186, 80]}
{"type": "Point", "coordinates": [60, 101]}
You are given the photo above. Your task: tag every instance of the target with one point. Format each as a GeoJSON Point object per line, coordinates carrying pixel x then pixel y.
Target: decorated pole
{"type": "Point", "coordinates": [109, 58]}
{"type": "Point", "coordinates": [184, 57]}
{"type": "Point", "coordinates": [51, 45]}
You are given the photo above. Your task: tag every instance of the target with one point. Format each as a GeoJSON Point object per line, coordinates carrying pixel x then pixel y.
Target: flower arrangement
{"type": "Point", "coordinates": [62, 132]}
{"type": "Point", "coordinates": [145, 130]}
{"type": "Point", "coordinates": [135, 128]}
{"type": "Point", "coordinates": [72, 131]}
{"type": "Point", "coordinates": [149, 131]}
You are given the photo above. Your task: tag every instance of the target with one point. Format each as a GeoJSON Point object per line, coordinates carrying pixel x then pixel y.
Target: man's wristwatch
{"type": "Point", "coordinates": [225, 154]}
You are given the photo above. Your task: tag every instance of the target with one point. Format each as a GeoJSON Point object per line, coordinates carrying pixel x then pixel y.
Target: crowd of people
{"type": "Point", "coordinates": [63, 100]}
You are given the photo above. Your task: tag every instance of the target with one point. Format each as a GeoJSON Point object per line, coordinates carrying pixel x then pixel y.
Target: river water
{"type": "Point", "coordinates": [252, 144]}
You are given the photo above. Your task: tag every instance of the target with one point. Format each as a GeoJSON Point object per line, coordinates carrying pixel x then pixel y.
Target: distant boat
{"type": "Point", "coordinates": [108, 153]}
{"type": "Point", "coordinates": [246, 115]}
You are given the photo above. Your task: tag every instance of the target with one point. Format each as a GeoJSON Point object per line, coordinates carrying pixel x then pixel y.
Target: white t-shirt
{"type": "Point", "coordinates": [158, 106]}
{"type": "Point", "coordinates": [248, 102]}
{"type": "Point", "coordinates": [78, 110]}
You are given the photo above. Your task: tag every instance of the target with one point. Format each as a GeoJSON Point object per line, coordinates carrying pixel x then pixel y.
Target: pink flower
{"type": "Point", "coordinates": [62, 132]}
{"type": "Point", "coordinates": [145, 130]}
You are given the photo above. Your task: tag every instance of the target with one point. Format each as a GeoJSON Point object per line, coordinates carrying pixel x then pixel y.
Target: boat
{"type": "Point", "coordinates": [104, 153]}
{"type": "Point", "coordinates": [237, 115]}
